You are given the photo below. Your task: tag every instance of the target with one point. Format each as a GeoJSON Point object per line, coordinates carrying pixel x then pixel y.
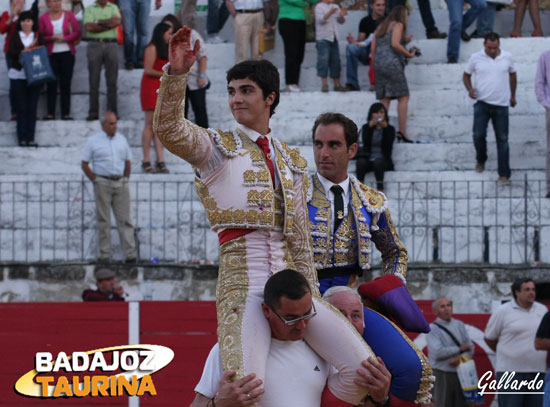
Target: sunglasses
{"type": "Point", "coordinates": [295, 321]}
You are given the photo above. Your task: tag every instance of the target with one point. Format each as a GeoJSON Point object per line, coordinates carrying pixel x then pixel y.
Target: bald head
{"type": "Point", "coordinates": [348, 302]}
{"type": "Point", "coordinates": [109, 123]}
{"type": "Point", "coordinates": [443, 308]}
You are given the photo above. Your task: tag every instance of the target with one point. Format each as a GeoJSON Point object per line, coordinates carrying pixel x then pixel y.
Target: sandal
{"type": "Point", "coordinates": [23, 144]}
{"type": "Point", "coordinates": [32, 144]}
{"type": "Point", "coordinates": [161, 166]}
{"type": "Point", "coordinates": [147, 167]}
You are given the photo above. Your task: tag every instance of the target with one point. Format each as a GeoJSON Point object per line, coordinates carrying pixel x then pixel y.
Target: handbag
{"type": "Point", "coordinates": [467, 375]}
{"type": "Point", "coordinates": [36, 63]}
{"type": "Point", "coordinates": [310, 24]}
{"type": "Point", "coordinates": [267, 40]}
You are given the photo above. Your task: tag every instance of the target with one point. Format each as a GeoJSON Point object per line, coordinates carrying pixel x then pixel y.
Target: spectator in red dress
{"type": "Point", "coordinates": [108, 288]}
{"type": "Point", "coordinates": [8, 26]}
{"type": "Point", "coordinates": [154, 58]}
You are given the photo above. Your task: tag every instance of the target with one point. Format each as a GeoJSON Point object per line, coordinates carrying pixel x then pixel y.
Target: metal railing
{"type": "Point", "coordinates": [438, 221]}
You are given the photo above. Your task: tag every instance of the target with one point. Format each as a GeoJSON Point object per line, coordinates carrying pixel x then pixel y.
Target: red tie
{"type": "Point", "coordinates": [263, 143]}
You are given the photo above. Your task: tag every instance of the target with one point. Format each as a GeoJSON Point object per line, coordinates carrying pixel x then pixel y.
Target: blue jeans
{"type": "Point", "coordinates": [135, 19]}
{"type": "Point", "coordinates": [354, 54]}
{"type": "Point", "coordinates": [486, 20]}
{"type": "Point", "coordinates": [546, 396]}
{"type": "Point", "coordinates": [328, 57]}
{"type": "Point", "coordinates": [520, 400]}
{"type": "Point", "coordinates": [425, 12]}
{"type": "Point", "coordinates": [460, 22]}
{"type": "Point", "coordinates": [483, 112]}
{"type": "Point", "coordinates": [216, 17]}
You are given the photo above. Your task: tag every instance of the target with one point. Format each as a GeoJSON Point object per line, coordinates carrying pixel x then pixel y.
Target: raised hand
{"type": "Point", "coordinates": [180, 54]}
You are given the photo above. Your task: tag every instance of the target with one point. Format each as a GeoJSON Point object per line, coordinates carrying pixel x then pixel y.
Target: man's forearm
{"type": "Point", "coordinates": [467, 79]}
{"type": "Point", "coordinates": [87, 171]}
{"type": "Point", "coordinates": [127, 168]}
{"type": "Point", "coordinates": [201, 401]}
{"type": "Point", "coordinates": [513, 84]}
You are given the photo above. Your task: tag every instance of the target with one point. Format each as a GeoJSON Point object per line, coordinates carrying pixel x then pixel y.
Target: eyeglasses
{"type": "Point", "coordinates": [295, 321]}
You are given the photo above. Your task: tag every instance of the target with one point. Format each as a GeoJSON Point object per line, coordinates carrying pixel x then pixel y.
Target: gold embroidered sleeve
{"type": "Point", "coordinates": [179, 135]}
{"type": "Point", "coordinates": [386, 239]}
{"type": "Point", "coordinates": [300, 244]}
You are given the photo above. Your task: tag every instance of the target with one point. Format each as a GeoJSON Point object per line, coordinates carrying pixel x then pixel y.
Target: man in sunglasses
{"type": "Point", "coordinates": [295, 374]}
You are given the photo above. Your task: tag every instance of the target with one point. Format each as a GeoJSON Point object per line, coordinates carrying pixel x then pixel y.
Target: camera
{"type": "Point", "coordinates": [416, 51]}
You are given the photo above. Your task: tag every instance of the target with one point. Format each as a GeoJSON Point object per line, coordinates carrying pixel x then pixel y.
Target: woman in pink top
{"type": "Point", "coordinates": [60, 31]}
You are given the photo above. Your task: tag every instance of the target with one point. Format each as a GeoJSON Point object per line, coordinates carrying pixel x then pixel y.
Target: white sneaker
{"type": "Point", "coordinates": [293, 88]}
{"type": "Point", "coordinates": [215, 39]}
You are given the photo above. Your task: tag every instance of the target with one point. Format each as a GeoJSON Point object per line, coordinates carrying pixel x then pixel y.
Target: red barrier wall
{"type": "Point", "coordinates": [187, 327]}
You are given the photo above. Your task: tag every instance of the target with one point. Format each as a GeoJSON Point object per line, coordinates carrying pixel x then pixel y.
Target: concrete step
{"type": "Point", "coordinates": [307, 105]}
{"type": "Point", "coordinates": [430, 70]}
{"type": "Point", "coordinates": [297, 130]}
{"type": "Point", "coordinates": [406, 157]}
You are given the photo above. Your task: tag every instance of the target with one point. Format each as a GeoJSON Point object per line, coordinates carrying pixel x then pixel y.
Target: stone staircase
{"type": "Point", "coordinates": [440, 118]}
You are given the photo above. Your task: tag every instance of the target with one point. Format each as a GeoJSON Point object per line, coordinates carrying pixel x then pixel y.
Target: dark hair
{"type": "Point", "coordinates": [397, 14]}
{"type": "Point", "coordinates": [491, 37]}
{"type": "Point", "coordinates": [172, 19]}
{"type": "Point", "coordinates": [375, 108]}
{"type": "Point", "coordinates": [516, 286]}
{"type": "Point", "coordinates": [371, 2]}
{"type": "Point", "coordinates": [26, 15]}
{"type": "Point", "coordinates": [350, 128]}
{"type": "Point", "coordinates": [286, 283]}
{"type": "Point", "coordinates": [158, 41]}
{"type": "Point", "coordinates": [263, 73]}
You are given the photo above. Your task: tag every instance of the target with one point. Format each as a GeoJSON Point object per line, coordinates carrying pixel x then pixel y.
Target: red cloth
{"type": "Point", "coordinates": [230, 234]}
{"type": "Point", "coordinates": [371, 72]}
{"type": "Point", "coordinates": [330, 400]}
{"type": "Point", "coordinates": [150, 85]}
{"type": "Point", "coordinates": [6, 28]}
{"type": "Point", "coordinates": [378, 287]}
{"type": "Point", "coordinates": [263, 142]}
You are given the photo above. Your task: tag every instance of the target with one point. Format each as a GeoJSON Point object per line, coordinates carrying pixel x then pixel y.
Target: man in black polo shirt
{"type": "Point", "coordinates": [359, 50]}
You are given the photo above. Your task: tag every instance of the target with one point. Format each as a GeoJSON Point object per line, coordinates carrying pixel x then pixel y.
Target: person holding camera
{"type": "Point", "coordinates": [389, 59]}
{"type": "Point", "coordinates": [377, 144]}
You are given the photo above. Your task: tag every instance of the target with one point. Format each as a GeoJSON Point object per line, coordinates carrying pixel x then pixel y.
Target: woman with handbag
{"type": "Point", "coordinates": [60, 30]}
{"type": "Point", "coordinates": [26, 96]}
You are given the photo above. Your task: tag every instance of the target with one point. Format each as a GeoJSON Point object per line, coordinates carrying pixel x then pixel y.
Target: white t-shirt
{"type": "Point", "coordinates": [58, 30]}
{"type": "Point", "coordinates": [492, 76]}
{"type": "Point", "coordinates": [515, 329]}
{"type": "Point", "coordinates": [295, 375]}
